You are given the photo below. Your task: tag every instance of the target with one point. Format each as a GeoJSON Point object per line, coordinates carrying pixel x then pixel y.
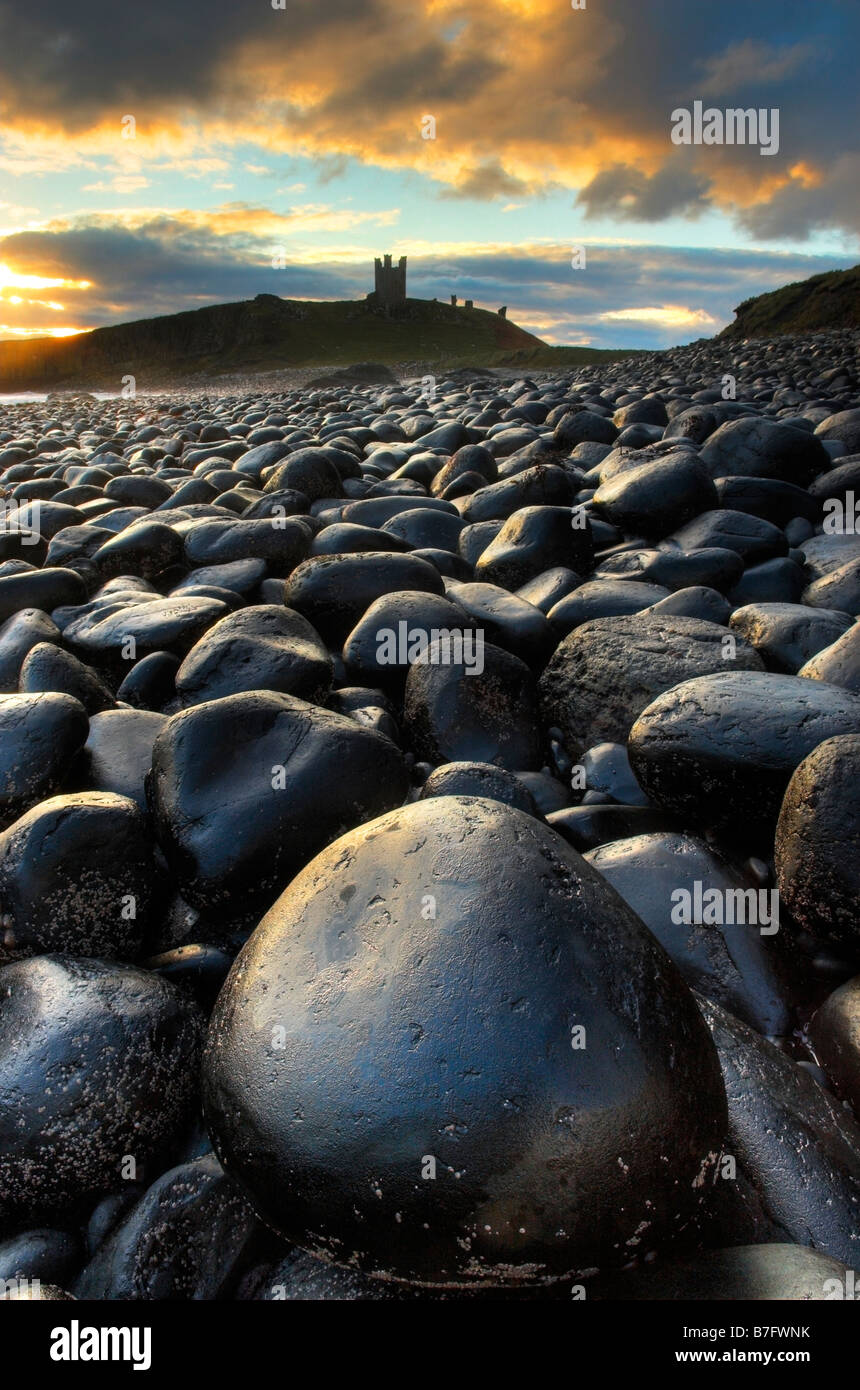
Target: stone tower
{"type": "Point", "coordinates": [390, 286]}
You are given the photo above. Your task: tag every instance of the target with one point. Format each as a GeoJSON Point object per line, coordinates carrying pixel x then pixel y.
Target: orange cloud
{"type": "Point", "coordinates": [525, 94]}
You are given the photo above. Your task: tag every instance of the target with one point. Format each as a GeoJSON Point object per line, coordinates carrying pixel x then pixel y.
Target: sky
{"type": "Point", "coordinates": [164, 156]}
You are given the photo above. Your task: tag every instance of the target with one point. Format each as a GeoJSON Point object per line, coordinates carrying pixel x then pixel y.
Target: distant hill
{"type": "Point", "coordinates": [824, 301]}
{"type": "Point", "coordinates": [263, 334]}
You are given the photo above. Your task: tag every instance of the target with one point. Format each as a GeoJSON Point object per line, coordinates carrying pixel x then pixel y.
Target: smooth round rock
{"type": "Point", "coordinates": [181, 1241]}
{"type": "Point", "coordinates": [479, 779]}
{"type": "Point", "coordinates": [655, 498]}
{"type": "Point", "coordinates": [147, 548]}
{"type": "Point", "coordinates": [542, 486]}
{"type": "Point", "coordinates": [605, 673]}
{"type": "Point", "coordinates": [160, 624]}
{"type": "Point", "coordinates": [396, 631]}
{"type": "Point", "coordinates": [751, 537]}
{"type": "Point", "coordinates": [76, 875]}
{"type": "Point", "coordinates": [282, 541]}
{"type": "Point", "coordinates": [719, 750]}
{"type": "Point", "coordinates": [39, 738]}
{"type": "Point", "coordinates": [839, 664]}
{"type": "Point", "coordinates": [794, 1144]}
{"type": "Point", "coordinates": [839, 589]}
{"type": "Point", "coordinates": [266, 647]}
{"type": "Point", "coordinates": [48, 667]}
{"type": "Point", "coordinates": [834, 1032]}
{"type": "Point", "coordinates": [334, 591]}
{"type": "Point", "coordinates": [18, 636]}
{"type": "Point", "coordinates": [758, 448]}
{"type": "Point", "coordinates": [787, 635]}
{"type": "Point", "coordinates": [118, 753]}
{"type": "Point", "coordinates": [482, 708]}
{"type": "Point", "coordinates": [603, 598]}
{"type": "Point", "coordinates": [742, 959]}
{"type": "Point", "coordinates": [420, 992]}
{"type": "Point", "coordinates": [532, 540]}
{"type": "Point", "coordinates": [844, 426]}
{"type": "Point", "coordinates": [246, 789]}
{"type": "Point", "coordinates": [150, 684]}
{"type": "Point", "coordinates": [599, 823]}
{"type": "Point", "coordinates": [46, 589]}
{"type": "Point", "coordinates": [506, 620]}
{"type": "Point", "coordinates": [698, 601]}
{"type": "Point", "coordinates": [817, 838]}
{"type": "Point", "coordinates": [97, 1063]}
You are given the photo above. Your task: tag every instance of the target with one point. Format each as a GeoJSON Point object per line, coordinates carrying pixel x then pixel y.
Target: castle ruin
{"type": "Point", "coordinates": [390, 287]}
{"type": "Point", "coordinates": [390, 284]}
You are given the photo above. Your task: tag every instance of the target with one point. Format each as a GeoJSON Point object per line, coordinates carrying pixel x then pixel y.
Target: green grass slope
{"type": "Point", "coordinates": [267, 333]}
{"type": "Point", "coordinates": [824, 301]}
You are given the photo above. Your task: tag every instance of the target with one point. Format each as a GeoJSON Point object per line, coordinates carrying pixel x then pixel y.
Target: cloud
{"type": "Point", "coordinates": [527, 94]}
{"type": "Point", "coordinates": [666, 316]}
{"type": "Point", "coordinates": [121, 183]}
{"type": "Point", "coordinates": [486, 181]}
{"type": "Point", "coordinates": [749, 64]}
{"type": "Point", "coordinates": [803, 204]}
{"type": "Point", "coordinates": [622, 190]}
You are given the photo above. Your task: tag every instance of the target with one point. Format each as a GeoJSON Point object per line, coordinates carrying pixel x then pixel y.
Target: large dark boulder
{"type": "Point", "coordinates": [451, 990]}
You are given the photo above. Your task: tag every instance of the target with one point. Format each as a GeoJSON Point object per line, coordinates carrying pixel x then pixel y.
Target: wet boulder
{"type": "Point", "coordinates": [839, 664]}
{"type": "Point", "coordinates": [605, 673]}
{"type": "Point", "coordinates": [18, 636]}
{"type": "Point", "coordinates": [118, 753]}
{"type": "Point", "coordinates": [265, 647]}
{"type": "Point", "coordinates": [817, 836]}
{"type": "Point", "coordinates": [795, 1144]}
{"type": "Point", "coordinates": [47, 667]}
{"type": "Point", "coordinates": [182, 1240]}
{"type": "Point", "coordinates": [246, 789]}
{"type": "Point", "coordinates": [755, 447]}
{"type": "Point", "coordinates": [480, 708]}
{"type": "Point", "coordinates": [533, 540]}
{"type": "Point", "coordinates": [98, 1064]}
{"type": "Point", "coordinates": [397, 630]}
{"type": "Point", "coordinates": [751, 537]}
{"type": "Point", "coordinates": [719, 750]}
{"type": "Point", "coordinates": [76, 875]}
{"type": "Point", "coordinates": [787, 635]}
{"type": "Point", "coordinates": [452, 990]}
{"type": "Point", "coordinates": [479, 779]}
{"type": "Point", "coordinates": [334, 591]}
{"type": "Point", "coordinates": [655, 498]}
{"type": "Point", "coordinates": [724, 935]}
{"type": "Point", "coordinates": [40, 736]}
